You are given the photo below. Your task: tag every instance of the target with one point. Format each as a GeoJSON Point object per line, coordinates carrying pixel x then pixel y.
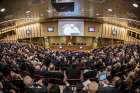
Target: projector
{"type": "Point", "coordinates": [63, 5]}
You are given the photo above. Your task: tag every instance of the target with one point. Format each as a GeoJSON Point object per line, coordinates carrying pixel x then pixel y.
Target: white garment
{"type": "Point", "coordinates": [69, 29]}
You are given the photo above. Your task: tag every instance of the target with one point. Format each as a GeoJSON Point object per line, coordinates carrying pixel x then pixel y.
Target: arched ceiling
{"type": "Point", "coordinates": [88, 8]}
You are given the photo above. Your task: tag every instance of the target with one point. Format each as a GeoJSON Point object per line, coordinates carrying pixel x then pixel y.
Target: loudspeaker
{"type": "Point", "coordinates": [63, 5]}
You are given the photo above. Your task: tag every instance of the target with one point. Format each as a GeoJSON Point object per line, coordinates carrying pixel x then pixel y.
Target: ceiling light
{"type": "Point", "coordinates": [28, 12]}
{"type": "Point", "coordinates": [110, 10]}
{"type": "Point", "coordinates": [2, 10]}
{"type": "Point", "coordinates": [135, 5]}
{"type": "Point", "coordinates": [49, 11]}
{"type": "Point", "coordinates": [81, 47]}
{"type": "Point", "coordinates": [97, 14]}
{"type": "Point", "coordinates": [60, 47]}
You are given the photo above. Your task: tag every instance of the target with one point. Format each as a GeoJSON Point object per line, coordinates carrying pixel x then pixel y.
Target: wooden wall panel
{"type": "Point", "coordinates": [40, 30]}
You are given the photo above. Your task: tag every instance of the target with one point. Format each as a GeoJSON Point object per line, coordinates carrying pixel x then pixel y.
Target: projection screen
{"type": "Point", "coordinates": [70, 28]}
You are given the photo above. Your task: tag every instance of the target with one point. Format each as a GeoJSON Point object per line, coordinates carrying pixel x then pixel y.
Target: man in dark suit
{"type": "Point", "coordinates": [54, 89]}
{"type": "Point", "coordinates": [73, 72]}
{"type": "Point", "coordinates": [107, 89]}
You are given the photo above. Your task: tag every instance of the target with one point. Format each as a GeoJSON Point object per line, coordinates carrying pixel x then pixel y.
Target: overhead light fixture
{"type": "Point", "coordinates": [2, 10]}
{"type": "Point", "coordinates": [27, 12]}
{"type": "Point", "coordinates": [49, 11]}
{"type": "Point", "coordinates": [60, 47]}
{"type": "Point", "coordinates": [81, 47]}
{"type": "Point", "coordinates": [97, 14]}
{"type": "Point", "coordinates": [135, 5]}
{"type": "Point", "coordinates": [110, 10]}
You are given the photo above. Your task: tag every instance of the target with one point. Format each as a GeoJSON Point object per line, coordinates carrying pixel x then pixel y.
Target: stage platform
{"type": "Point", "coordinates": [73, 47]}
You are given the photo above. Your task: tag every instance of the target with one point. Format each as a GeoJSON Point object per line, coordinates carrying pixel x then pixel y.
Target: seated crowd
{"type": "Point", "coordinates": [26, 68]}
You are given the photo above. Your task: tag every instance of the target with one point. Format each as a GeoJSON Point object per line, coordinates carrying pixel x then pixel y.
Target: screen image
{"type": "Point", "coordinates": [103, 76]}
{"type": "Point", "coordinates": [50, 29]}
{"type": "Point", "coordinates": [28, 31]}
{"type": "Point", "coordinates": [91, 29]}
{"type": "Point", "coordinates": [71, 28]}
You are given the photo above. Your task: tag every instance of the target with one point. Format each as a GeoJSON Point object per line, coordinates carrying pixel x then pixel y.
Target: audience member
{"type": "Point", "coordinates": [26, 68]}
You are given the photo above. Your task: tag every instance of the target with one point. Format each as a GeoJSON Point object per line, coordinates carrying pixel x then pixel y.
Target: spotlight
{"type": "Point", "coordinates": [60, 47]}
{"type": "Point", "coordinates": [27, 12]}
{"type": "Point", "coordinates": [110, 10]}
{"type": "Point", "coordinates": [49, 11]}
{"type": "Point", "coordinates": [135, 5]}
{"type": "Point", "coordinates": [81, 47]}
{"type": "Point", "coordinates": [2, 10]}
{"type": "Point", "coordinates": [97, 14]}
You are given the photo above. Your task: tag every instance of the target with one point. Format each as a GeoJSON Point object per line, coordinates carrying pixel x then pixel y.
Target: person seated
{"type": "Point", "coordinates": [34, 87]}
{"type": "Point", "coordinates": [73, 72]}
{"type": "Point", "coordinates": [122, 86]}
{"type": "Point", "coordinates": [51, 68]}
{"type": "Point", "coordinates": [54, 89]}
{"type": "Point", "coordinates": [12, 81]}
{"type": "Point", "coordinates": [1, 87]}
{"type": "Point", "coordinates": [90, 74]}
{"type": "Point", "coordinates": [93, 87]}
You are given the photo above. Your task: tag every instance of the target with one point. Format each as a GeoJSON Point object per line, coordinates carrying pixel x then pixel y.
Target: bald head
{"type": "Point", "coordinates": [93, 87]}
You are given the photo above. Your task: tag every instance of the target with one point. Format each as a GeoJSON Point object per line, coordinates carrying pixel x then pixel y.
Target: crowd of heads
{"type": "Point", "coordinates": [26, 68]}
